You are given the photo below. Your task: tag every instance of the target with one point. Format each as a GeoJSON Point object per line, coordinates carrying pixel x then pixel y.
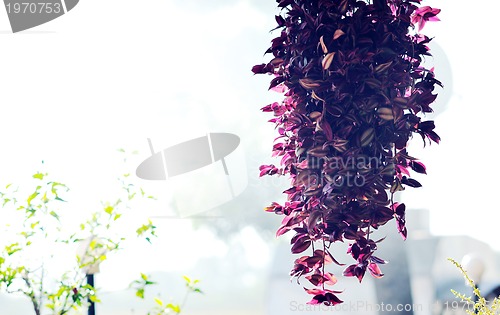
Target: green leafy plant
{"type": "Point", "coordinates": [141, 284]}
{"type": "Point", "coordinates": [161, 306]}
{"type": "Point", "coordinates": [35, 230]}
{"type": "Point", "coordinates": [480, 305]}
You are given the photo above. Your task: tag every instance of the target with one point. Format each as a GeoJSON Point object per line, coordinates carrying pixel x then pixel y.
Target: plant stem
{"type": "Point", "coordinates": [184, 300]}
{"type": "Point", "coordinates": [30, 293]}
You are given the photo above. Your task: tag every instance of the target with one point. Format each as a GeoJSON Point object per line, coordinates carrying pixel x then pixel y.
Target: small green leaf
{"type": "Point", "coordinates": [94, 299]}
{"type": "Point", "coordinates": [55, 215]}
{"type": "Point", "coordinates": [54, 187]}
{"type": "Point", "coordinates": [44, 198]}
{"type": "Point", "coordinates": [39, 176]}
{"type": "Point", "coordinates": [108, 209]}
{"type": "Point", "coordinates": [32, 196]}
{"type": "Point", "coordinates": [140, 293]}
{"type": "Point", "coordinates": [158, 301]}
{"type": "Point", "coordinates": [12, 248]}
{"type": "Point", "coordinates": [175, 308]}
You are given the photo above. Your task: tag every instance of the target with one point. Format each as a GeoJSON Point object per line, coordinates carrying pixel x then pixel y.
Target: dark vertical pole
{"type": "Point", "coordinates": [90, 281]}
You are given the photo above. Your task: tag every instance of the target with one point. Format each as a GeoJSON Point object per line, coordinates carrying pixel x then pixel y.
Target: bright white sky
{"type": "Point", "coordinates": [461, 183]}
{"type": "Point", "coordinates": [112, 73]}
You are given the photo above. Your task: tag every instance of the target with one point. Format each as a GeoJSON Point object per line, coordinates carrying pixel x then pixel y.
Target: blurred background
{"type": "Point", "coordinates": [112, 74]}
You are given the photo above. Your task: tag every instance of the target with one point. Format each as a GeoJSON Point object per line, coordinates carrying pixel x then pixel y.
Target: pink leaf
{"type": "Point", "coordinates": [423, 15]}
{"type": "Point", "coordinates": [375, 270]}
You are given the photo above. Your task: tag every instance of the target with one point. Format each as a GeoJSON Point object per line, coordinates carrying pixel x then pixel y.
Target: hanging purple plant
{"type": "Point", "coordinates": [354, 86]}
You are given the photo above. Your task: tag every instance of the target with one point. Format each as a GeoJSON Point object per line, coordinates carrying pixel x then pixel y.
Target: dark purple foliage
{"type": "Point", "coordinates": [354, 90]}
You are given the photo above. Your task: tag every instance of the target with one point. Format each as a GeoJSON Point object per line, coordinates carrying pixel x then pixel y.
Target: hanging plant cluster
{"type": "Point", "coordinates": [355, 89]}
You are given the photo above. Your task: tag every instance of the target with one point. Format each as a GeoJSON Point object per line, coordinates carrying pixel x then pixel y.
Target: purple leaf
{"type": "Point", "coordinates": [301, 245]}
{"type": "Point", "coordinates": [418, 167]}
{"type": "Point", "coordinates": [410, 182]}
